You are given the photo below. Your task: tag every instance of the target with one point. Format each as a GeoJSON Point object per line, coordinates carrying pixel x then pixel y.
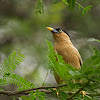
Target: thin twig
{"type": "Point", "coordinates": [45, 78]}
{"type": "Point", "coordinates": [80, 5]}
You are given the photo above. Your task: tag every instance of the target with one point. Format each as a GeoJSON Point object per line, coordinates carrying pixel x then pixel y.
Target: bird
{"type": "Point", "coordinates": [64, 47]}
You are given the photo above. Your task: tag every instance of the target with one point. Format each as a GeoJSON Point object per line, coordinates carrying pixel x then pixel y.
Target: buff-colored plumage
{"type": "Point", "coordinates": [64, 47]}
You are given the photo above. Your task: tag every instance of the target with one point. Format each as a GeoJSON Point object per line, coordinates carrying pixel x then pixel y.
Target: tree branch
{"type": "Point", "coordinates": [25, 92]}
{"type": "Point", "coordinates": [9, 93]}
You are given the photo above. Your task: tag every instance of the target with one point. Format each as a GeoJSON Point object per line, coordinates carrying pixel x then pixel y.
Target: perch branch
{"type": "Point", "coordinates": [9, 93]}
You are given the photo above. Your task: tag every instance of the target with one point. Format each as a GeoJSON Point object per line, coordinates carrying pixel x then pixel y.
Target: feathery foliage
{"type": "Point", "coordinates": [39, 7]}
{"type": "Point", "coordinates": [71, 5]}
{"type": "Point", "coordinates": [90, 72]}
{"type": "Point", "coordinates": [11, 63]}
{"type": "Point", "coordinates": [21, 82]}
{"type": "Point", "coordinates": [93, 39]}
{"type": "Point", "coordinates": [7, 76]}
{"type": "Point", "coordinates": [3, 82]}
{"type": "Point", "coordinates": [8, 66]}
{"type": "Point", "coordinates": [87, 78]}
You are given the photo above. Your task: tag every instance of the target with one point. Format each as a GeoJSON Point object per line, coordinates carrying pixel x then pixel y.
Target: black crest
{"type": "Point", "coordinates": [58, 29]}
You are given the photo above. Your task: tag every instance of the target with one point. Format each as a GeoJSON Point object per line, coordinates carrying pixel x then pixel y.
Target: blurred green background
{"type": "Point", "coordinates": [21, 28]}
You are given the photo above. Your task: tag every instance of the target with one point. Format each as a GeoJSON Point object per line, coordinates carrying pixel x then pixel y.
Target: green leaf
{"type": "Point", "coordinates": [91, 67]}
{"type": "Point", "coordinates": [86, 9]}
{"type": "Point", "coordinates": [93, 39]}
{"type": "Point", "coordinates": [21, 82]}
{"type": "Point", "coordinates": [96, 51]}
{"type": "Point", "coordinates": [3, 82]}
{"type": "Point", "coordinates": [92, 61]}
{"type": "Point", "coordinates": [62, 95]}
{"type": "Point", "coordinates": [11, 63]}
{"type": "Point", "coordinates": [1, 89]}
{"type": "Point", "coordinates": [71, 4]}
{"type": "Point", "coordinates": [32, 95]}
{"type": "Point", "coordinates": [73, 73]}
{"type": "Point", "coordinates": [40, 7]}
{"type": "Point", "coordinates": [40, 95]}
{"type": "Point", "coordinates": [83, 12]}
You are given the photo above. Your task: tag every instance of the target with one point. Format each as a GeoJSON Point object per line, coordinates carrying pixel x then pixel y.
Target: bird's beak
{"type": "Point", "coordinates": [49, 28]}
{"type": "Point", "coordinates": [52, 30]}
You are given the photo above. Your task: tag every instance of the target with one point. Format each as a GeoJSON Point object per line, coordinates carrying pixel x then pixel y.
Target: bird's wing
{"type": "Point", "coordinates": [78, 55]}
{"type": "Point", "coordinates": [80, 60]}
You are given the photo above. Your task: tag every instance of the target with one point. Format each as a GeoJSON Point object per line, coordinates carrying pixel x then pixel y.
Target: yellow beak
{"type": "Point", "coordinates": [49, 28]}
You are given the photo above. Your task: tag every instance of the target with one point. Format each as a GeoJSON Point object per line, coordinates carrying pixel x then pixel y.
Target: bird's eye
{"type": "Point", "coordinates": [60, 31]}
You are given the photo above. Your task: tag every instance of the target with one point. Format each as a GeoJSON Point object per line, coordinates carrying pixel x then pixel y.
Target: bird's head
{"type": "Point", "coordinates": [59, 34]}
